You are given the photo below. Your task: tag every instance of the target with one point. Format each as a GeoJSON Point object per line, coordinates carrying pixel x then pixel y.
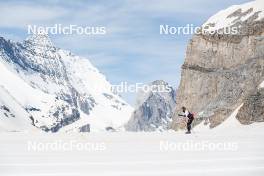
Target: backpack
{"type": "Point", "coordinates": [190, 115]}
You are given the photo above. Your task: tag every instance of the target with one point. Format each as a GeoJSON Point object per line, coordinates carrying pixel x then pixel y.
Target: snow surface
{"type": "Point", "coordinates": [221, 19]}
{"type": "Point", "coordinates": [134, 154]}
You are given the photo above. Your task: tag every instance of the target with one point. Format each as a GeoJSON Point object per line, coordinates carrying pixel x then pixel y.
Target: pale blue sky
{"type": "Point", "coordinates": [132, 50]}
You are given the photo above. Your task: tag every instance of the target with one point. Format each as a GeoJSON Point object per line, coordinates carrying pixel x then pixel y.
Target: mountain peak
{"type": "Point", "coordinates": [158, 88]}
{"type": "Point", "coordinates": [159, 82]}
{"type": "Point", "coordinates": [40, 39]}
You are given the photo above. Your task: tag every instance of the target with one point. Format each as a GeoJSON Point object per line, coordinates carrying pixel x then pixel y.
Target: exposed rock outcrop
{"type": "Point", "coordinates": [252, 109]}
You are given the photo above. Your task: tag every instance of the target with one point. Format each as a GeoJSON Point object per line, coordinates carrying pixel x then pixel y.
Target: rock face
{"type": "Point", "coordinates": [154, 109]}
{"type": "Point", "coordinates": [53, 89]}
{"type": "Point", "coordinates": [221, 71]}
{"type": "Point", "coordinates": [252, 109]}
{"type": "Point", "coordinates": [85, 128]}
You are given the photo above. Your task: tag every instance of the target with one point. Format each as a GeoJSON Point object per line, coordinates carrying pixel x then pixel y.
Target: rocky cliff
{"type": "Point", "coordinates": [222, 71]}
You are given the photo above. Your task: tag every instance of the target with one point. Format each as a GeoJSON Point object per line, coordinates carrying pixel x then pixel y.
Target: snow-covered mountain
{"type": "Point", "coordinates": [45, 87]}
{"type": "Point", "coordinates": [154, 108]}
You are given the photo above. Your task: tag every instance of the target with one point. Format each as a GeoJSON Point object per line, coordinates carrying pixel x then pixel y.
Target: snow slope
{"type": "Point", "coordinates": [23, 95]}
{"type": "Point", "coordinates": [224, 18]}
{"type": "Point", "coordinates": [13, 115]}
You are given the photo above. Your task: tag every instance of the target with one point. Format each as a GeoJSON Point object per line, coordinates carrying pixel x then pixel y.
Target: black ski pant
{"type": "Point", "coordinates": [189, 124]}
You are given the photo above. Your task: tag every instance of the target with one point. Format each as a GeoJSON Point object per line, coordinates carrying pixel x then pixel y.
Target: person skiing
{"type": "Point", "coordinates": [190, 117]}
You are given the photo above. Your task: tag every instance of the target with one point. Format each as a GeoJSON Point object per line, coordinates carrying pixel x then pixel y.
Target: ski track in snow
{"type": "Point", "coordinates": [135, 154]}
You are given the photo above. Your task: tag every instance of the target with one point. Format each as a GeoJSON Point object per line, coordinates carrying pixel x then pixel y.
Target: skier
{"type": "Point", "coordinates": [190, 117]}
